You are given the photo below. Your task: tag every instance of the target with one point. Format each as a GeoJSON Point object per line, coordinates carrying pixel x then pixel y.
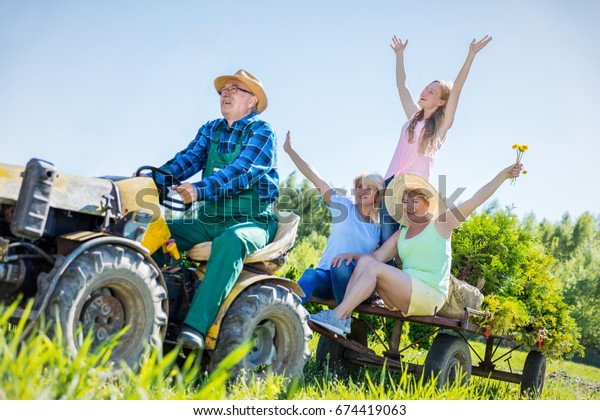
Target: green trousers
{"type": "Point", "coordinates": [232, 240]}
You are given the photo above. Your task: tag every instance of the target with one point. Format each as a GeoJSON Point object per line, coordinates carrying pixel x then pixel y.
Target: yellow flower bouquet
{"type": "Point", "coordinates": [520, 148]}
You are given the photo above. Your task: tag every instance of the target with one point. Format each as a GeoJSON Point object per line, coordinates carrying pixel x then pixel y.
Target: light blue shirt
{"type": "Point", "coordinates": [349, 231]}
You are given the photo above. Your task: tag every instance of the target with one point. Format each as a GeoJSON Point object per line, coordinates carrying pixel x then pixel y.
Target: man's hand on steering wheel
{"type": "Point", "coordinates": [188, 192]}
{"type": "Point", "coordinates": [172, 194]}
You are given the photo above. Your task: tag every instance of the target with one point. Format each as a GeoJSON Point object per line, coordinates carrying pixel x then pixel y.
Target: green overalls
{"type": "Point", "coordinates": [237, 225]}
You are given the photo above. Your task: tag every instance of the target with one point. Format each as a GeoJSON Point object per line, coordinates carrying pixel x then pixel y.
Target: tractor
{"type": "Point", "coordinates": [80, 248]}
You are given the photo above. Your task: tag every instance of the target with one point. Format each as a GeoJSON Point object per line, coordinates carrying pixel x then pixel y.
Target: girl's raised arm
{"type": "Point", "coordinates": [452, 104]}
{"type": "Point", "coordinates": [409, 105]}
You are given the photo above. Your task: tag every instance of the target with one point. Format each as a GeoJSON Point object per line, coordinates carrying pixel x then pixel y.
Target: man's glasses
{"type": "Point", "coordinates": [233, 89]}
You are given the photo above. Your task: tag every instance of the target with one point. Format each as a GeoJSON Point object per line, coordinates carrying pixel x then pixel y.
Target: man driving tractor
{"type": "Point", "coordinates": [237, 154]}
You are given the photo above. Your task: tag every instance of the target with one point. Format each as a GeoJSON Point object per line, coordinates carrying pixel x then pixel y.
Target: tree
{"type": "Point", "coordinates": [557, 238]}
{"type": "Point", "coordinates": [584, 232]}
{"type": "Point", "coordinates": [577, 248]}
{"type": "Point", "coordinates": [580, 273]}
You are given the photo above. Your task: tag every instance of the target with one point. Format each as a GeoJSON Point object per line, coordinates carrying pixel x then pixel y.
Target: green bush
{"type": "Point", "coordinates": [520, 288]}
{"type": "Point", "coordinates": [305, 254]}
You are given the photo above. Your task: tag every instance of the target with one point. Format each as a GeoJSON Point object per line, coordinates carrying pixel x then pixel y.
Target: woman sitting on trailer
{"type": "Point", "coordinates": [355, 228]}
{"type": "Point", "coordinates": [424, 247]}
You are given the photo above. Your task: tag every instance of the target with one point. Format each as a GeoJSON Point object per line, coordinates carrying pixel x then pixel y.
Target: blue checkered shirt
{"type": "Point", "coordinates": [256, 164]}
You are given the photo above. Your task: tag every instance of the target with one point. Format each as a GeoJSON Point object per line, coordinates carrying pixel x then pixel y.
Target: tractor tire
{"type": "Point", "coordinates": [448, 360]}
{"type": "Point", "coordinates": [103, 290]}
{"type": "Point", "coordinates": [534, 372]}
{"type": "Point", "coordinates": [336, 357]}
{"type": "Point", "coordinates": [273, 317]}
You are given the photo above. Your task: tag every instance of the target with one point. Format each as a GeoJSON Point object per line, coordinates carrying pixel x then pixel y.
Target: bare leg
{"type": "Point", "coordinates": [363, 287]}
{"type": "Point", "coordinates": [358, 270]}
{"type": "Point", "coordinates": [393, 285]}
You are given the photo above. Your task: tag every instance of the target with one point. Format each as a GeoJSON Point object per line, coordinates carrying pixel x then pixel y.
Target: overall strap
{"type": "Point", "coordinates": [215, 160]}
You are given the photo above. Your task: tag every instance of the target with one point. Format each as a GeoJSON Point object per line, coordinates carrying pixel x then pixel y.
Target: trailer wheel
{"type": "Point", "coordinates": [534, 371]}
{"type": "Point", "coordinates": [448, 360]}
{"type": "Point", "coordinates": [104, 290]}
{"type": "Point", "coordinates": [337, 357]}
{"type": "Point", "coordinates": [274, 319]}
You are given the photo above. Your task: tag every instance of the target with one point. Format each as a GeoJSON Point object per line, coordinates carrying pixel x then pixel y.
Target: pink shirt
{"type": "Point", "coordinates": [407, 158]}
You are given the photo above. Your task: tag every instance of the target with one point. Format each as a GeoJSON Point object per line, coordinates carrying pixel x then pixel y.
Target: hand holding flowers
{"type": "Point", "coordinates": [520, 148]}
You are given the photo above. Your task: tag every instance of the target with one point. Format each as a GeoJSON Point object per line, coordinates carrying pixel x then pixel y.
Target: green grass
{"type": "Point", "coordinates": [565, 380]}
{"type": "Point", "coordinates": [38, 367]}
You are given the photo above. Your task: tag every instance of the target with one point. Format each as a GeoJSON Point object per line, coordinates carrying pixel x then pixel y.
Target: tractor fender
{"type": "Point", "coordinates": [245, 280]}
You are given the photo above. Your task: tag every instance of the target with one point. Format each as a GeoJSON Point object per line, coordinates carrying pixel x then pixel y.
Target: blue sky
{"type": "Point", "coordinates": [102, 87]}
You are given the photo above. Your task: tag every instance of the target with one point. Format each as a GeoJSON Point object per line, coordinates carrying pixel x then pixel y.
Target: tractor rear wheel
{"type": "Point", "coordinates": [273, 318]}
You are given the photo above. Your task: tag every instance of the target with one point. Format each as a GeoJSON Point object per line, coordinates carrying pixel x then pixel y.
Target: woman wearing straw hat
{"type": "Point", "coordinates": [429, 119]}
{"type": "Point", "coordinates": [424, 246]}
{"type": "Point", "coordinates": [355, 228]}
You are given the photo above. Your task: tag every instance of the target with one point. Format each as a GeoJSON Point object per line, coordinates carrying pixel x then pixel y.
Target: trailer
{"type": "Point", "coordinates": [449, 358]}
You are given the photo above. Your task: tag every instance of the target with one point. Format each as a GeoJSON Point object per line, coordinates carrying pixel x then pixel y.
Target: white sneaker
{"type": "Point", "coordinates": [328, 320]}
{"type": "Point", "coordinates": [348, 326]}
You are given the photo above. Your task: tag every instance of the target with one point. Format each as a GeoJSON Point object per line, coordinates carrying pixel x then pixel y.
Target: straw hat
{"type": "Point", "coordinates": [249, 80]}
{"type": "Point", "coordinates": [395, 192]}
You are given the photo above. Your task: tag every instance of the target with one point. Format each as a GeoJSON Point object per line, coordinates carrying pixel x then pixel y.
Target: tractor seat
{"type": "Point", "coordinates": [268, 259]}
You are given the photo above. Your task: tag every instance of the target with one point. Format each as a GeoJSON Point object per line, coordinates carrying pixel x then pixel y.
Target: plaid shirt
{"type": "Point", "coordinates": [256, 164]}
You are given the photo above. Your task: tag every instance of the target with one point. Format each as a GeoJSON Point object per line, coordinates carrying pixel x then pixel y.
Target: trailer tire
{"type": "Point", "coordinates": [448, 360]}
{"type": "Point", "coordinates": [337, 357]}
{"type": "Point", "coordinates": [534, 371]}
{"type": "Point", "coordinates": [275, 319]}
{"type": "Point", "coordinates": [103, 290]}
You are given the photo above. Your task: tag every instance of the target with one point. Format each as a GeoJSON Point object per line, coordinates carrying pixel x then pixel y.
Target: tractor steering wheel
{"type": "Point", "coordinates": [167, 196]}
